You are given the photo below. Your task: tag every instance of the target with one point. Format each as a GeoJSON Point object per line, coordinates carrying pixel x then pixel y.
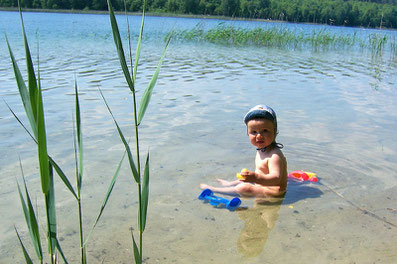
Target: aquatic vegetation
{"type": "Point", "coordinates": [285, 38]}
{"type": "Point", "coordinates": [31, 95]}
{"type": "Point", "coordinates": [141, 177]}
{"type": "Point", "coordinates": [377, 44]}
{"type": "Point", "coordinates": [393, 49]}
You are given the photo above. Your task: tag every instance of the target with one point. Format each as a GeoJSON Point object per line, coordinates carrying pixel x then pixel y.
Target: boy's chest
{"type": "Point", "coordinates": [261, 163]}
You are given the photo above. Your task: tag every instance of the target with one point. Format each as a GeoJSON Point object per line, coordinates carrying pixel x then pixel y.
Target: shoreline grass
{"type": "Point", "coordinates": [285, 38]}
{"type": "Point", "coordinates": [271, 36]}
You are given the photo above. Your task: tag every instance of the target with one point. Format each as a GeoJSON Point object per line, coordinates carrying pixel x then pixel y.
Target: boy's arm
{"type": "Point", "coordinates": [273, 178]}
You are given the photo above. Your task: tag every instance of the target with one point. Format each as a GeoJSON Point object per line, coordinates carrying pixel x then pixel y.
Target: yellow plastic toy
{"type": "Point", "coordinates": [239, 176]}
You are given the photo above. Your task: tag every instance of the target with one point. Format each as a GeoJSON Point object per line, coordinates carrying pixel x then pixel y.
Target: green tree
{"type": "Point", "coordinates": [98, 5]}
{"type": "Point", "coordinates": [159, 5]}
{"type": "Point", "coordinates": [26, 3]}
{"type": "Point", "coordinates": [230, 7]}
{"type": "Point", "coordinates": [134, 5]}
{"type": "Point", "coordinates": [191, 6]}
{"type": "Point", "coordinates": [252, 8]}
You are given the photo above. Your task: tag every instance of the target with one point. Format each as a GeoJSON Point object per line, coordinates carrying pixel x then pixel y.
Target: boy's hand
{"type": "Point", "coordinates": [248, 176]}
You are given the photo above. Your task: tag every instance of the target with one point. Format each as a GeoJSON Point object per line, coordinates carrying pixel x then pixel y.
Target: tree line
{"type": "Point", "coordinates": [370, 13]}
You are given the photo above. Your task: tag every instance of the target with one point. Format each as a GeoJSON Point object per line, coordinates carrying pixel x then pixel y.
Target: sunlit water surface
{"type": "Point", "coordinates": [337, 116]}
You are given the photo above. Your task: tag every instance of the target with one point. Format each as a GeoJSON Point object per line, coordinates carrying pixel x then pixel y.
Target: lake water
{"type": "Point", "coordinates": [337, 116]}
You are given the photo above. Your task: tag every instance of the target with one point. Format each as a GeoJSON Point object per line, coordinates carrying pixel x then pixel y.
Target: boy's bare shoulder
{"type": "Point", "coordinates": [277, 151]}
{"type": "Point", "coordinates": [274, 154]}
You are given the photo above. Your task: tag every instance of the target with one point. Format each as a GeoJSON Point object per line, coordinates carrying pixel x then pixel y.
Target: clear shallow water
{"type": "Point", "coordinates": [337, 117]}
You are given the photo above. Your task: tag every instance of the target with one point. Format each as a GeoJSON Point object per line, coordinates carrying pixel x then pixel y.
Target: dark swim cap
{"type": "Point", "coordinates": [261, 111]}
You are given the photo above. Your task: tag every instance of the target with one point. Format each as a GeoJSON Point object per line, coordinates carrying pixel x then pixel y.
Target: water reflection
{"type": "Point", "coordinates": [260, 219]}
{"type": "Point", "coordinates": [258, 222]}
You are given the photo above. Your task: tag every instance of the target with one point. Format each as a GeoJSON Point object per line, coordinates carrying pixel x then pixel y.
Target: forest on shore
{"type": "Point", "coordinates": [354, 13]}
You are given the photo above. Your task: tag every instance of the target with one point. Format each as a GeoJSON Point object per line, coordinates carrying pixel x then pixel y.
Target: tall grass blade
{"type": "Point", "coordinates": [37, 122]}
{"type": "Point", "coordinates": [34, 108]}
{"type": "Point", "coordinates": [138, 46]}
{"type": "Point", "coordinates": [128, 34]}
{"type": "Point", "coordinates": [51, 214]}
{"type": "Point", "coordinates": [79, 140]}
{"type": "Point", "coordinates": [119, 47]}
{"type": "Point", "coordinates": [137, 255]}
{"type": "Point", "coordinates": [31, 221]}
{"type": "Point", "coordinates": [79, 170]}
{"type": "Point", "coordinates": [24, 208]}
{"type": "Point", "coordinates": [127, 147]}
{"type": "Point", "coordinates": [32, 82]}
{"type": "Point", "coordinates": [107, 196]}
{"type": "Point", "coordinates": [23, 91]}
{"type": "Point", "coordinates": [61, 252]}
{"type": "Point", "coordinates": [63, 177]}
{"type": "Point", "coordinates": [35, 113]}
{"type": "Point", "coordinates": [33, 226]}
{"type": "Point", "coordinates": [59, 171]}
{"type": "Point", "coordinates": [20, 122]}
{"type": "Point", "coordinates": [25, 252]}
{"type": "Point", "coordinates": [149, 90]}
{"type": "Point", "coordinates": [42, 145]}
{"type": "Point", "coordinates": [145, 194]}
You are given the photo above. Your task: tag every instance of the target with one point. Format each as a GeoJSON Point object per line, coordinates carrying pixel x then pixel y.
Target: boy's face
{"type": "Point", "coordinates": [261, 132]}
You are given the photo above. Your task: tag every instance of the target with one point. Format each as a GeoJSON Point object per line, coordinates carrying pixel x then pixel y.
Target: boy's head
{"type": "Point", "coordinates": [262, 112]}
{"type": "Point", "coordinates": [261, 124]}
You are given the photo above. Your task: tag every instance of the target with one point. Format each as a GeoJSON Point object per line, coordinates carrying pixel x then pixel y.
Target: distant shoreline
{"type": "Point", "coordinates": [160, 14]}
{"type": "Point", "coordinates": [157, 14]}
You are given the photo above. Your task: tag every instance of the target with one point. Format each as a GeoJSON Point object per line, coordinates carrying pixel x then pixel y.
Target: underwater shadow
{"type": "Point", "coordinates": [297, 191]}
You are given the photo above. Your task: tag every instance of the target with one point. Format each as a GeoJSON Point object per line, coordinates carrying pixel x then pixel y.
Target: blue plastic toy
{"type": "Point", "coordinates": [209, 196]}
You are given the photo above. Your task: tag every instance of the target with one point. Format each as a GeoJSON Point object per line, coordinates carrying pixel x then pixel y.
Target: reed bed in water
{"type": "Point", "coordinates": [282, 37]}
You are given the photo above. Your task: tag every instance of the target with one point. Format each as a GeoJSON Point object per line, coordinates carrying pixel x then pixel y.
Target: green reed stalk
{"type": "Point", "coordinates": [31, 96]}
{"type": "Point", "coordinates": [31, 220]}
{"type": "Point", "coordinates": [393, 48]}
{"type": "Point", "coordinates": [79, 172]}
{"type": "Point", "coordinates": [28, 260]}
{"type": "Point", "coordinates": [32, 99]}
{"type": "Point", "coordinates": [33, 103]}
{"type": "Point", "coordinates": [138, 113]}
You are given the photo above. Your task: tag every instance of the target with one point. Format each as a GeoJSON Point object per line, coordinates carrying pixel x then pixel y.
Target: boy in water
{"type": "Point", "coordinates": [270, 176]}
